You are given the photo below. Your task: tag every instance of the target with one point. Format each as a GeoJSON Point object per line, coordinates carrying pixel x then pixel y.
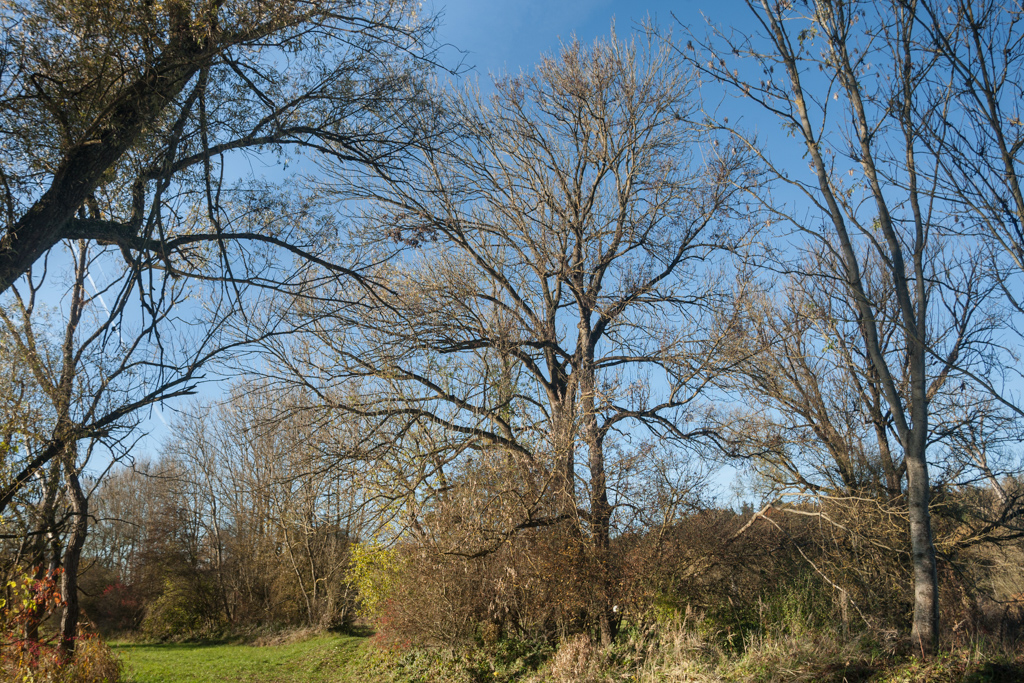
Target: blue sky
{"type": "Point", "coordinates": [507, 35]}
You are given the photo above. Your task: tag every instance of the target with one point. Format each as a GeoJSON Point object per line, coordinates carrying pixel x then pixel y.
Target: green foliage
{"type": "Point", "coordinates": [374, 571]}
{"type": "Point", "coordinates": [797, 607]}
{"type": "Point", "coordinates": [666, 609]}
{"type": "Point", "coordinates": [183, 610]}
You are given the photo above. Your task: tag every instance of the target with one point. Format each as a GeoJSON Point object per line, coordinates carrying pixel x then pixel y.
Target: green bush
{"type": "Point", "coordinates": [184, 610]}
{"type": "Point", "coordinates": [374, 570]}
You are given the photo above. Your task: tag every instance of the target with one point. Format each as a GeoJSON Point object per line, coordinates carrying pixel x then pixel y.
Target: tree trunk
{"type": "Point", "coordinates": [72, 555]}
{"type": "Point", "coordinates": [925, 633]}
{"type": "Point", "coordinates": [600, 510]}
{"type": "Point", "coordinates": [45, 534]}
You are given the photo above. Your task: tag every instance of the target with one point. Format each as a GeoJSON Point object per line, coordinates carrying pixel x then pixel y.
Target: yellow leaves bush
{"type": "Point", "coordinates": [374, 570]}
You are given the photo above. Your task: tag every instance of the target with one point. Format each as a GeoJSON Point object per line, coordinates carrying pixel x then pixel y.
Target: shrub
{"type": "Point", "coordinates": [114, 606]}
{"type": "Point", "coordinates": [374, 570]}
{"type": "Point", "coordinates": [542, 585]}
{"type": "Point", "coordinates": [184, 610]}
{"type": "Point", "coordinates": [93, 662]}
{"type": "Point", "coordinates": [576, 661]}
{"type": "Point", "coordinates": [24, 656]}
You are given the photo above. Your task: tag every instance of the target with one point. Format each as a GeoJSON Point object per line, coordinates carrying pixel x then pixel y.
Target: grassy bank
{"type": "Point", "coordinates": [673, 656]}
{"type": "Point", "coordinates": [317, 659]}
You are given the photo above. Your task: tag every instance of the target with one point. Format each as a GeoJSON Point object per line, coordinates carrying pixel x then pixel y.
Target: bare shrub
{"type": "Point", "coordinates": [577, 661]}
{"type": "Point", "coordinates": [541, 585]}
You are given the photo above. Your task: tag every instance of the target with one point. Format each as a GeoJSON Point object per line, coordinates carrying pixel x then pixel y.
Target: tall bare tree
{"type": "Point", "coordinates": [801, 362]}
{"type": "Point", "coordinates": [247, 509]}
{"type": "Point", "coordinates": [95, 372]}
{"type": "Point", "coordinates": [545, 305]}
{"type": "Point", "coordinates": [853, 85]}
{"type": "Point", "coordinates": [819, 425]}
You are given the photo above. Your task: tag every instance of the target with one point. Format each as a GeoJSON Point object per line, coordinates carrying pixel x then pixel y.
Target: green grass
{"type": "Point", "coordinates": [320, 659]}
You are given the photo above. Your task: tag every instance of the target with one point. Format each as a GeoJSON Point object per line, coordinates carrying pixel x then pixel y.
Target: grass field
{"type": "Point", "coordinates": [347, 659]}
{"type": "Point", "coordinates": [314, 660]}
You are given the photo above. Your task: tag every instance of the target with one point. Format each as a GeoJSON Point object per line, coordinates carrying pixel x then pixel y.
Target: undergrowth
{"type": "Point", "coordinates": [691, 650]}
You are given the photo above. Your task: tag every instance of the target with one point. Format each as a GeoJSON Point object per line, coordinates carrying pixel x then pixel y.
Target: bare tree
{"type": "Point", "coordinates": [816, 428]}
{"type": "Point", "coordinates": [853, 84]}
{"type": "Point", "coordinates": [971, 122]}
{"type": "Point", "coordinates": [802, 364]}
{"type": "Point", "coordinates": [546, 303]}
{"type": "Point", "coordinates": [801, 360]}
{"type": "Point", "coordinates": [95, 372]}
{"type": "Point", "coordinates": [132, 110]}
{"type": "Point", "coordinates": [277, 455]}
{"type": "Point", "coordinates": [252, 513]}
{"type": "Point", "coordinates": [122, 125]}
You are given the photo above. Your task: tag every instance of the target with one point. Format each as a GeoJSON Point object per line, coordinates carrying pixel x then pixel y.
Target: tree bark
{"type": "Point", "coordinates": [600, 510]}
{"type": "Point", "coordinates": [72, 557]}
{"type": "Point", "coordinates": [925, 631]}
